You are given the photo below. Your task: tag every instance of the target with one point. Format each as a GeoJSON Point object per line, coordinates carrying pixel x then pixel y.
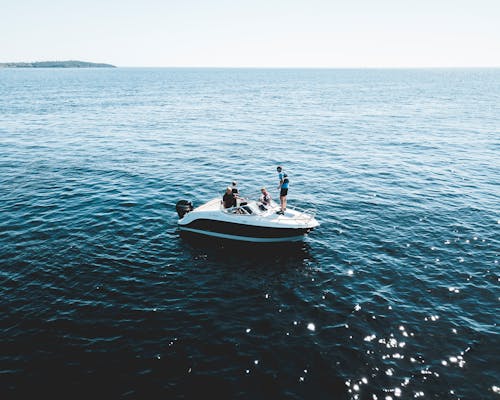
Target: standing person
{"type": "Point", "coordinates": [283, 188]}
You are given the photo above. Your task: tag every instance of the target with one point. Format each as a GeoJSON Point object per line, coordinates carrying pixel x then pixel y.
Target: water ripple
{"type": "Point", "coordinates": [394, 296]}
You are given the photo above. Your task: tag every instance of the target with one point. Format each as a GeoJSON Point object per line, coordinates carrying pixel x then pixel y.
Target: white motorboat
{"type": "Point", "coordinates": [250, 221]}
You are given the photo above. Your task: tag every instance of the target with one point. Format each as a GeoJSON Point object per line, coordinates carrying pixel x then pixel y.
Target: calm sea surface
{"type": "Point", "coordinates": [395, 296]}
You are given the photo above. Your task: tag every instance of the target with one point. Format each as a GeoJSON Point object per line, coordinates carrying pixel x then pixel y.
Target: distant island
{"type": "Point", "coordinates": [55, 64]}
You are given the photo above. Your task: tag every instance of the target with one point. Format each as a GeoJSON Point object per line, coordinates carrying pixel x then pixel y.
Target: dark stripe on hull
{"type": "Point", "coordinates": [229, 228]}
{"type": "Point", "coordinates": [224, 236]}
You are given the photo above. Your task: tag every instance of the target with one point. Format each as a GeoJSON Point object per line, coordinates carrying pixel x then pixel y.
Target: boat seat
{"type": "Point", "coordinates": [242, 210]}
{"type": "Point", "coordinates": [239, 210]}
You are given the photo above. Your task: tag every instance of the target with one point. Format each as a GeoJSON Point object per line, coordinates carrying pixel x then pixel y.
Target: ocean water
{"type": "Point", "coordinates": [395, 296]}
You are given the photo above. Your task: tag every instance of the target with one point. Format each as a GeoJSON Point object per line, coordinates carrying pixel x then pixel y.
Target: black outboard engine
{"type": "Point", "coordinates": [183, 207]}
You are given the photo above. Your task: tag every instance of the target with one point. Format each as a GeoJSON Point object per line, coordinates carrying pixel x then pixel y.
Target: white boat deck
{"type": "Point", "coordinates": [212, 205]}
{"type": "Point", "coordinates": [300, 217]}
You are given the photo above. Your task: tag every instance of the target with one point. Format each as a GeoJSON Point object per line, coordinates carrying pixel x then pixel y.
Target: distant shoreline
{"type": "Point", "coordinates": [56, 64]}
{"type": "Point", "coordinates": [86, 64]}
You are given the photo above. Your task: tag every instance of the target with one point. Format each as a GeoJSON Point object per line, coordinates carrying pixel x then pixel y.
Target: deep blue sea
{"type": "Point", "coordinates": [395, 296]}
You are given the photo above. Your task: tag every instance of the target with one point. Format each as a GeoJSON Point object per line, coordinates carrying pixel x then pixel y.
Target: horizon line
{"type": "Point", "coordinates": [313, 67]}
{"type": "Point", "coordinates": [284, 66]}
{"type": "Point", "coordinates": [271, 66]}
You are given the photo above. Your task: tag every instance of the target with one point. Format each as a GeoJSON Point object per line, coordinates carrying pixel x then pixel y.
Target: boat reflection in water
{"type": "Point", "coordinates": [252, 255]}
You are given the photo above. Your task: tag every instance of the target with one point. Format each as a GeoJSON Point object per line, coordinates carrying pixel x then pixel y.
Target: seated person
{"type": "Point", "coordinates": [265, 199]}
{"type": "Point", "coordinates": [239, 200]}
{"type": "Point", "coordinates": [229, 199]}
{"type": "Point", "coordinates": [234, 188]}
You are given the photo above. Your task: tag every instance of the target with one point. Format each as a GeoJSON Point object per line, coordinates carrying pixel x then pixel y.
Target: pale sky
{"type": "Point", "coordinates": [254, 33]}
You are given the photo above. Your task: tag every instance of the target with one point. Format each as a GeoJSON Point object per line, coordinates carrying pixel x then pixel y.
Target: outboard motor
{"type": "Point", "coordinates": [183, 207]}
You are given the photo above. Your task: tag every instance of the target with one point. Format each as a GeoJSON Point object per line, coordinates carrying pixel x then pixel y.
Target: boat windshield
{"type": "Point", "coordinates": [246, 209]}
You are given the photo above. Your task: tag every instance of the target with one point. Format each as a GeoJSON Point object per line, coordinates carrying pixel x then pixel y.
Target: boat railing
{"type": "Point", "coordinates": [306, 213]}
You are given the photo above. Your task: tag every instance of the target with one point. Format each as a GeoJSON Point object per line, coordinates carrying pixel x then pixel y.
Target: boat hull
{"type": "Point", "coordinates": [244, 232]}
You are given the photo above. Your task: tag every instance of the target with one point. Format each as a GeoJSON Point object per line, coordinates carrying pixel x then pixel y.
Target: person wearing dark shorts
{"type": "Point", "coordinates": [283, 187]}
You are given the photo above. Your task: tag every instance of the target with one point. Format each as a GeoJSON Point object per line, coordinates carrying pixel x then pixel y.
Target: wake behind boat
{"type": "Point", "coordinates": [250, 221]}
